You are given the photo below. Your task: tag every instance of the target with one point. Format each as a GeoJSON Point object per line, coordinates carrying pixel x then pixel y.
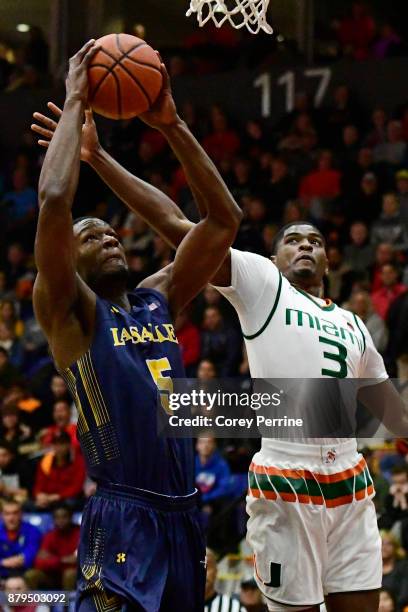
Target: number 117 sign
{"type": "Point", "coordinates": [287, 80]}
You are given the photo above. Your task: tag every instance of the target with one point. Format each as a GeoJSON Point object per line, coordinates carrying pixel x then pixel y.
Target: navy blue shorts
{"type": "Point", "coordinates": [140, 551]}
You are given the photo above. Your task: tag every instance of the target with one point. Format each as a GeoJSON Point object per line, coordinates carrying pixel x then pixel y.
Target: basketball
{"type": "Point", "coordinates": [124, 77]}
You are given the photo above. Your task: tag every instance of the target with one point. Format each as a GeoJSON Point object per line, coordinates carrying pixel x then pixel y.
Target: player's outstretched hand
{"type": "Point", "coordinates": [163, 112]}
{"type": "Point", "coordinates": [77, 79]}
{"type": "Point", "coordinates": [45, 127]}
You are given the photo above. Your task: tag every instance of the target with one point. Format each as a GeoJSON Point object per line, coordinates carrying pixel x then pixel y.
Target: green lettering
{"type": "Point", "coordinates": [300, 314]}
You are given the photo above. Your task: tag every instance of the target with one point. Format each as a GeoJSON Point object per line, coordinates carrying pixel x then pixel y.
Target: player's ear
{"type": "Point", "coordinates": [273, 259]}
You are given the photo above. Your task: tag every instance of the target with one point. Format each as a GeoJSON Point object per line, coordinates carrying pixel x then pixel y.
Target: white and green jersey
{"type": "Point", "coordinates": [291, 334]}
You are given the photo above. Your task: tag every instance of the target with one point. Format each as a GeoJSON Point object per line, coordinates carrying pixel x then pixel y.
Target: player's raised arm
{"type": "Point", "coordinates": [151, 204]}
{"type": "Point", "coordinates": [56, 289]}
{"type": "Point", "coordinates": [159, 211]}
{"type": "Point", "coordinates": [387, 405]}
{"type": "Point", "coordinates": [206, 246]}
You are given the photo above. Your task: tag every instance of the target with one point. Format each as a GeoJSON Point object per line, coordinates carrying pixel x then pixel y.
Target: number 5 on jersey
{"type": "Point", "coordinates": [164, 383]}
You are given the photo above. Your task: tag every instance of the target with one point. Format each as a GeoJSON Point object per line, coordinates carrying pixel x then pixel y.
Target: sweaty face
{"type": "Point", "coordinates": [301, 255]}
{"type": "Point", "coordinates": [100, 255]}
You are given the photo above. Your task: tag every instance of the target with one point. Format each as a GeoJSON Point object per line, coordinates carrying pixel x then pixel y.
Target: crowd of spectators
{"type": "Point", "coordinates": [361, 35]}
{"type": "Point", "coordinates": [25, 65]}
{"type": "Point", "coordinates": [344, 168]}
{"type": "Point", "coordinates": [360, 31]}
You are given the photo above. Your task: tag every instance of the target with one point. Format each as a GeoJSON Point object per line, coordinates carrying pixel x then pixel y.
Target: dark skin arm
{"type": "Point", "coordinates": [64, 305]}
{"type": "Point", "coordinates": [385, 403]}
{"type": "Point", "coordinates": [206, 245]}
{"type": "Point", "coordinates": [152, 205]}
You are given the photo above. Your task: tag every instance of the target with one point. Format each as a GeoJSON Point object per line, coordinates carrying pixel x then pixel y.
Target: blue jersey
{"type": "Point", "coordinates": [115, 386]}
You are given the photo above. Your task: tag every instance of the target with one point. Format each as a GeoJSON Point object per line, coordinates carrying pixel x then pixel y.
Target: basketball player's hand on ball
{"type": "Point", "coordinates": [77, 80]}
{"type": "Point", "coordinates": [163, 113]}
{"type": "Point", "coordinates": [46, 128]}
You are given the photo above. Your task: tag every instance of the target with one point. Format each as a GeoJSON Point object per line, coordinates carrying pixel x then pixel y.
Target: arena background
{"type": "Point", "coordinates": [309, 123]}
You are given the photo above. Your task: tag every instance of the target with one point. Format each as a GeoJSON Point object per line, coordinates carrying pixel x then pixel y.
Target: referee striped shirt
{"type": "Point", "coordinates": [223, 603]}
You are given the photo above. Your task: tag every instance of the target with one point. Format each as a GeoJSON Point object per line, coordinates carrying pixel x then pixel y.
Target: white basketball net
{"type": "Point", "coordinates": [239, 13]}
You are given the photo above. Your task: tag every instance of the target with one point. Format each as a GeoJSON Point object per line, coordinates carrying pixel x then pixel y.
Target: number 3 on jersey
{"type": "Point", "coordinates": [339, 357]}
{"type": "Point", "coordinates": [164, 383]}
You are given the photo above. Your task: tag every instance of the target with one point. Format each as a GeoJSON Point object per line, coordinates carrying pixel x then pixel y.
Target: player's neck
{"type": "Point", "coordinates": [314, 290]}
{"type": "Point", "coordinates": [119, 299]}
{"type": "Point", "coordinates": [114, 291]}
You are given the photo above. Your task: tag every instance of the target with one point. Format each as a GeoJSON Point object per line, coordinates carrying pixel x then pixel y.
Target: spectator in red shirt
{"type": "Point", "coordinates": [222, 141]}
{"type": "Point", "coordinates": [188, 336]}
{"type": "Point", "coordinates": [357, 32]}
{"type": "Point", "coordinates": [56, 563]}
{"type": "Point", "coordinates": [391, 289]}
{"type": "Point", "coordinates": [384, 254]}
{"type": "Point", "coordinates": [60, 475]}
{"type": "Point", "coordinates": [378, 133]}
{"type": "Point", "coordinates": [324, 182]}
{"type": "Point", "coordinates": [62, 422]}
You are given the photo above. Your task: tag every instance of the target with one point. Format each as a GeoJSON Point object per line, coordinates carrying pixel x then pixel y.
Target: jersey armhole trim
{"type": "Point", "coordinates": [268, 320]}
{"type": "Point", "coordinates": [360, 330]}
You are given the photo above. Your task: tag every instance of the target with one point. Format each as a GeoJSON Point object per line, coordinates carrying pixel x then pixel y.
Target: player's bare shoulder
{"type": "Point", "coordinates": [70, 336]}
{"type": "Point", "coordinates": [160, 281]}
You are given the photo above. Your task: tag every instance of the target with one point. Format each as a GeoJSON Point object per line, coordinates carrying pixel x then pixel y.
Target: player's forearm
{"type": "Point", "coordinates": [203, 177]}
{"type": "Point", "coordinates": [151, 204]}
{"type": "Point", "coordinates": [60, 170]}
{"type": "Point", "coordinates": [386, 404]}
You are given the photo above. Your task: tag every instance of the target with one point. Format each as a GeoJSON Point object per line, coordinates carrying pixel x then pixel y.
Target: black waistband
{"type": "Point", "coordinates": [148, 499]}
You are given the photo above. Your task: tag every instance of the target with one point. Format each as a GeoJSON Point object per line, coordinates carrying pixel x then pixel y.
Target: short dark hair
{"type": "Point", "coordinates": [400, 469]}
{"type": "Point", "coordinates": [79, 219]}
{"type": "Point", "coordinates": [394, 266]}
{"type": "Point", "coordinates": [63, 506]}
{"type": "Point", "coordinates": [9, 501]}
{"type": "Point", "coordinates": [248, 585]}
{"type": "Point", "coordinates": [62, 400]}
{"type": "Point", "coordinates": [279, 236]}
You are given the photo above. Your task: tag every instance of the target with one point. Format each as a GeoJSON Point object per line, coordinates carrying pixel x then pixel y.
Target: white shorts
{"type": "Point", "coordinates": [312, 523]}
